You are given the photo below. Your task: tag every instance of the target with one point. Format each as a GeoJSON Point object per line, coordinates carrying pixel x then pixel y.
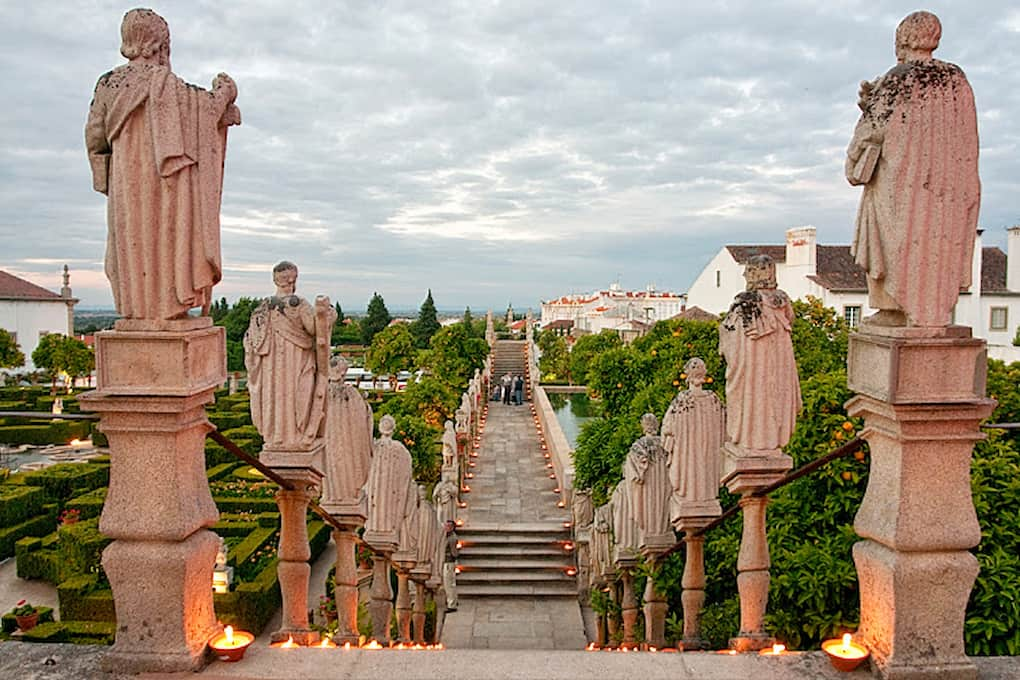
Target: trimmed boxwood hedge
{"type": "Point", "coordinates": [40, 525]}
{"type": "Point", "coordinates": [64, 480]}
{"type": "Point", "coordinates": [88, 505]}
{"type": "Point", "coordinates": [19, 503]}
{"type": "Point", "coordinates": [82, 599]}
{"type": "Point", "coordinates": [9, 624]}
{"type": "Point", "coordinates": [75, 632]}
{"type": "Point", "coordinates": [41, 434]}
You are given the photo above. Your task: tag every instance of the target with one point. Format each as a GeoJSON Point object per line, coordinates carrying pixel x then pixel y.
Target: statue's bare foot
{"type": "Point", "coordinates": [886, 317]}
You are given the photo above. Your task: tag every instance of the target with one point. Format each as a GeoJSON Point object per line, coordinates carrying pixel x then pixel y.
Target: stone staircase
{"type": "Point", "coordinates": [516, 560]}
{"type": "Point", "coordinates": [509, 356]}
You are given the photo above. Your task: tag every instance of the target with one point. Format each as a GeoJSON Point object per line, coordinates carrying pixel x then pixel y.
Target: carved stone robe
{"type": "Point", "coordinates": [762, 387]}
{"type": "Point", "coordinates": [919, 210]}
{"type": "Point", "coordinates": [602, 545]}
{"type": "Point", "coordinates": [626, 534]}
{"type": "Point", "coordinates": [348, 454]}
{"type": "Point", "coordinates": [279, 353]}
{"type": "Point", "coordinates": [156, 146]}
{"type": "Point", "coordinates": [646, 473]}
{"type": "Point", "coordinates": [692, 433]}
{"type": "Point", "coordinates": [389, 492]}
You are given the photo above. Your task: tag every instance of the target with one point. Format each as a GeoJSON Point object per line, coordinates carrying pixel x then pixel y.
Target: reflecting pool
{"type": "Point", "coordinates": [572, 411]}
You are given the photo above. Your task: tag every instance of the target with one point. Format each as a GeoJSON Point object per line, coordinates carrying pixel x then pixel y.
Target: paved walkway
{"type": "Point", "coordinates": [511, 486]}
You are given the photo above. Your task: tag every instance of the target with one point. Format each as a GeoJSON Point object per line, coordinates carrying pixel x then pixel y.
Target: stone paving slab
{"type": "Point", "coordinates": [81, 662]}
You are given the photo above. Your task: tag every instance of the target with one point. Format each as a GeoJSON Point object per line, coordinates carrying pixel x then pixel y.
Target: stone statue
{"type": "Point", "coordinates": [444, 495]}
{"type": "Point", "coordinates": [348, 454]}
{"type": "Point", "coordinates": [915, 150]}
{"type": "Point", "coordinates": [602, 545]}
{"type": "Point", "coordinates": [409, 527]}
{"type": "Point", "coordinates": [449, 446]}
{"type": "Point", "coordinates": [221, 555]}
{"type": "Point", "coordinates": [692, 432]}
{"type": "Point", "coordinates": [762, 388]}
{"type": "Point", "coordinates": [462, 420]}
{"type": "Point", "coordinates": [646, 472]}
{"type": "Point", "coordinates": [286, 352]}
{"type": "Point", "coordinates": [156, 146]}
{"type": "Point", "coordinates": [581, 509]}
{"type": "Point", "coordinates": [626, 534]}
{"type": "Point", "coordinates": [389, 489]}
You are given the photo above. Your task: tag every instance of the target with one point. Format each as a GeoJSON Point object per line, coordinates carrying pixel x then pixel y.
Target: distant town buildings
{"type": "Point", "coordinates": [629, 313]}
{"type": "Point", "coordinates": [991, 306]}
{"type": "Point", "coordinates": [28, 312]}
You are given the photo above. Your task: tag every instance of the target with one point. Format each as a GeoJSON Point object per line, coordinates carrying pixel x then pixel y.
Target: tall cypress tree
{"type": "Point", "coordinates": [376, 319]}
{"type": "Point", "coordinates": [468, 321]}
{"type": "Point", "coordinates": [427, 324]}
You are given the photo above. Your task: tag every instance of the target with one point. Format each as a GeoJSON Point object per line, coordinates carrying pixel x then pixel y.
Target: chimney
{"type": "Point", "coordinates": [800, 247]}
{"type": "Point", "coordinates": [1013, 258]}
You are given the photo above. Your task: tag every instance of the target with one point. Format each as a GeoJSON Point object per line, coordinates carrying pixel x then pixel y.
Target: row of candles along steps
{"type": "Point", "coordinates": [844, 653]}
{"type": "Point", "coordinates": [230, 645]}
{"type": "Point", "coordinates": [477, 444]}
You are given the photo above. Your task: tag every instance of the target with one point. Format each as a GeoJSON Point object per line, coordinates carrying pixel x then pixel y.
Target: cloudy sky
{"type": "Point", "coordinates": [494, 151]}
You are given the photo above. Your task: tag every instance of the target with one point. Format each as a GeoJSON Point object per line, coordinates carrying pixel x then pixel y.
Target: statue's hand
{"type": "Point", "coordinates": [224, 82]}
{"type": "Point", "coordinates": [864, 93]}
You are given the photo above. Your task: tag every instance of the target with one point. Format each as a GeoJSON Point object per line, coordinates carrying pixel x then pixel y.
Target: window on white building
{"type": "Point", "coordinates": [999, 319]}
{"type": "Point", "coordinates": [852, 314]}
{"type": "Point", "coordinates": [718, 279]}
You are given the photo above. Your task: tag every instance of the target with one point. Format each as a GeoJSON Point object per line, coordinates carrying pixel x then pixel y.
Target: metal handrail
{"type": "Point", "coordinates": [851, 447]}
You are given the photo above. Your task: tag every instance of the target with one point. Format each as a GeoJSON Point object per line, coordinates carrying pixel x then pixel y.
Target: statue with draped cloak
{"type": "Point", "coordinates": [348, 453]}
{"type": "Point", "coordinates": [646, 472]}
{"type": "Point", "coordinates": [390, 490]}
{"type": "Point", "coordinates": [156, 146]}
{"type": "Point", "coordinates": [915, 151]}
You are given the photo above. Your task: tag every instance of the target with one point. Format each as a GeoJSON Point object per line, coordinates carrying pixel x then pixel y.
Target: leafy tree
{"type": "Point", "coordinates": [587, 348]}
{"type": "Point", "coordinates": [235, 319]}
{"type": "Point", "coordinates": [469, 321]}
{"type": "Point", "coordinates": [11, 355]}
{"type": "Point", "coordinates": [454, 354]}
{"type": "Point", "coordinates": [554, 362]}
{"type": "Point", "coordinates": [427, 324]}
{"type": "Point", "coordinates": [392, 351]}
{"type": "Point", "coordinates": [819, 338]}
{"type": "Point", "coordinates": [58, 353]}
{"type": "Point", "coordinates": [340, 332]}
{"type": "Point", "coordinates": [376, 319]}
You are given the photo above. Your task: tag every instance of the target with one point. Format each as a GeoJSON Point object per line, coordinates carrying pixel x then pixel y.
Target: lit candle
{"type": "Point", "coordinates": [230, 645]}
{"type": "Point", "coordinates": [844, 654]}
{"type": "Point", "coordinates": [774, 650]}
{"type": "Point", "coordinates": [286, 644]}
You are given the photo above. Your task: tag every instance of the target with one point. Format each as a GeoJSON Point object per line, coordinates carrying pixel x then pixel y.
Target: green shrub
{"type": "Point", "coordinates": [89, 505]}
{"type": "Point", "coordinates": [66, 480]}
{"type": "Point", "coordinates": [8, 622]}
{"type": "Point", "coordinates": [83, 599]}
{"type": "Point", "coordinates": [40, 525]}
{"type": "Point", "coordinates": [19, 503]}
{"type": "Point", "coordinates": [75, 632]}
{"type": "Point", "coordinates": [219, 471]}
{"type": "Point", "coordinates": [42, 434]}
{"type": "Point", "coordinates": [225, 420]}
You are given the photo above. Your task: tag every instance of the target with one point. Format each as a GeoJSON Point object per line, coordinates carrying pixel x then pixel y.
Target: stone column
{"type": "Point", "coordinates": [612, 622]}
{"type": "Point", "coordinates": [628, 607]}
{"type": "Point", "coordinates": [403, 607]}
{"type": "Point", "coordinates": [753, 577]}
{"type": "Point", "coordinates": [921, 393]}
{"type": "Point", "coordinates": [655, 614]}
{"type": "Point", "coordinates": [346, 591]}
{"type": "Point", "coordinates": [418, 616]}
{"type": "Point", "coordinates": [293, 569]}
{"type": "Point", "coordinates": [381, 607]}
{"type": "Point", "coordinates": [154, 379]}
{"type": "Point", "coordinates": [693, 594]}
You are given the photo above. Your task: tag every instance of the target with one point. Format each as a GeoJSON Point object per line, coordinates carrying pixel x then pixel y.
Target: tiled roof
{"type": "Point", "coordinates": [15, 288]}
{"type": "Point", "coordinates": [695, 313]}
{"type": "Point", "coordinates": [744, 253]}
{"type": "Point", "coordinates": [835, 269]}
{"type": "Point", "coordinates": [559, 323]}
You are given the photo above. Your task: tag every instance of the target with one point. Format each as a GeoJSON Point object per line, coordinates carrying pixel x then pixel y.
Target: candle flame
{"type": "Point", "coordinates": [347, 646]}
{"type": "Point", "coordinates": [846, 642]}
{"type": "Point", "coordinates": [591, 647]}
{"type": "Point", "coordinates": [228, 632]}
{"type": "Point", "coordinates": [289, 644]}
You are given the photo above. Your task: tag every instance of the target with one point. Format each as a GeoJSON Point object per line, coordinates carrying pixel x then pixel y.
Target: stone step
{"type": "Point", "coordinates": [495, 539]}
{"type": "Point", "coordinates": [493, 567]}
{"type": "Point", "coordinates": [514, 578]}
{"type": "Point", "coordinates": [510, 550]}
{"type": "Point", "coordinates": [564, 589]}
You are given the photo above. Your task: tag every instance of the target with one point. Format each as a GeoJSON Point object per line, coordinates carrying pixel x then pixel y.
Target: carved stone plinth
{"type": "Point", "coordinates": [628, 607]}
{"type": "Point", "coordinates": [154, 381]}
{"type": "Point", "coordinates": [346, 590]}
{"type": "Point", "coordinates": [753, 577]}
{"type": "Point", "coordinates": [381, 606]}
{"type": "Point", "coordinates": [418, 615]}
{"type": "Point", "coordinates": [655, 615]}
{"type": "Point", "coordinates": [922, 400]}
{"type": "Point", "coordinates": [403, 607]}
{"type": "Point", "coordinates": [747, 470]}
{"type": "Point", "coordinates": [293, 569]}
{"type": "Point", "coordinates": [163, 594]}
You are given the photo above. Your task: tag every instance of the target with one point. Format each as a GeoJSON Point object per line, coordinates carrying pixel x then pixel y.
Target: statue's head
{"type": "Point", "coordinates": [285, 276]}
{"type": "Point", "coordinates": [421, 494]}
{"type": "Point", "coordinates": [145, 35]}
{"type": "Point", "coordinates": [760, 272]}
{"type": "Point", "coordinates": [917, 36]}
{"type": "Point", "coordinates": [649, 423]}
{"type": "Point", "coordinates": [696, 371]}
{"type": "Point", "coordinates": [448, 425]}
{"type": "Point", "coordinates": [387, 425]}
{"type": "Point", "coordinates": [337, 367]}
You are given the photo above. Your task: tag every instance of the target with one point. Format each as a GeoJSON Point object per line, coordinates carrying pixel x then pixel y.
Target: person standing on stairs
{"type": "Point", "coordinates": [519, 390]}
{"type": "Point", "coordinates": [450, 566]}
{"type": "Point", "coordinates": [507, 383]}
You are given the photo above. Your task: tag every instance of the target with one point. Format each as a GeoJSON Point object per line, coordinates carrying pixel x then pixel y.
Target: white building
{"type": "Point", "coordinates": [28, 312]}
{"type": "Point", "coordinates": [991, 306]}
{"type": "Point", "coordinates": [626, 312]}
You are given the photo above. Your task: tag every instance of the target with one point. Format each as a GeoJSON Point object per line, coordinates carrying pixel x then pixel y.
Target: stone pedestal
{"type": "Point", "coordinates": [403, 607]}
{"type": "Point", "coordinates": [921, 394]}
{"type": "Point", "coordinates": [693, 594]}
{"type": "Point", "coordinates": [346, 590]}
{"type": "Point", "coordinates": [628, 607]}
{"type": "Point", "coordinates": [153, 380]}
{"type": "Point", "coordinates": [655, 615]}
{"type": "Point", "coordinates": [418, 615]}
{"type": "Point", "coordinates": [753, 578]}
{"type": "Point", "coordinates": [293, 569]}
{"type": "Point", "coordinates": [612, 621]}
{"type": "Point", "coordinates": [381, 606]}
